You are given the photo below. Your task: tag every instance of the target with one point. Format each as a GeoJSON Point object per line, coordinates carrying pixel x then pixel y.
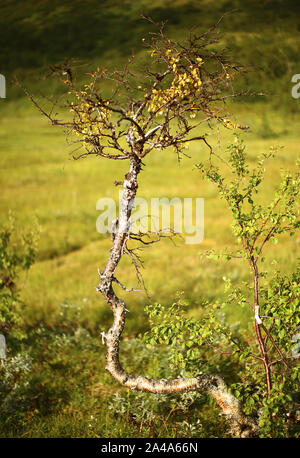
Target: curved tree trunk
{"type": "Point", "coordinates": [240, 425]}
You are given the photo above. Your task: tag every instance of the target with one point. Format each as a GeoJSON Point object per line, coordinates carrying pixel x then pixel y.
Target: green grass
{"type": "Point", "coordinates": [262, 35]}
{"type": "Point", "coordinates": [64, 314]}
{"type": "Point", "coordinates": [69, 384]}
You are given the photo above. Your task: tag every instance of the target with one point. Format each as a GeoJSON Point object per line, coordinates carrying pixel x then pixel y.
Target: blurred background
{"type": "Point", "coordinates": [69, 393]}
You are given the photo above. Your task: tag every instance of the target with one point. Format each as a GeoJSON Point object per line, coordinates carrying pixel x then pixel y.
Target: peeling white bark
{"type": "Point", "coordinates": [240, 425]}
{"type": "Point", "coordinates": [256, 316]}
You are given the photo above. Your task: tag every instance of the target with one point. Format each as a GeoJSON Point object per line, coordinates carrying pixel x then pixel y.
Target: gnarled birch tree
{"type": "Point", "coordinates": [184, 88]}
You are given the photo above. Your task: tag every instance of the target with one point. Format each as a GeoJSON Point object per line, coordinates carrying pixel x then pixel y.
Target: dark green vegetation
{"type": "Point", "coordinates": [262, 34]}
{"type": "Point", "coordinates": [62, 388]}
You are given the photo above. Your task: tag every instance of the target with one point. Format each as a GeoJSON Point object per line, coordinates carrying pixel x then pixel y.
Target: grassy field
{"type": "Point", "coordinates": [69, 393]}
{"type": "Point", "coordinates": [37, 179]}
